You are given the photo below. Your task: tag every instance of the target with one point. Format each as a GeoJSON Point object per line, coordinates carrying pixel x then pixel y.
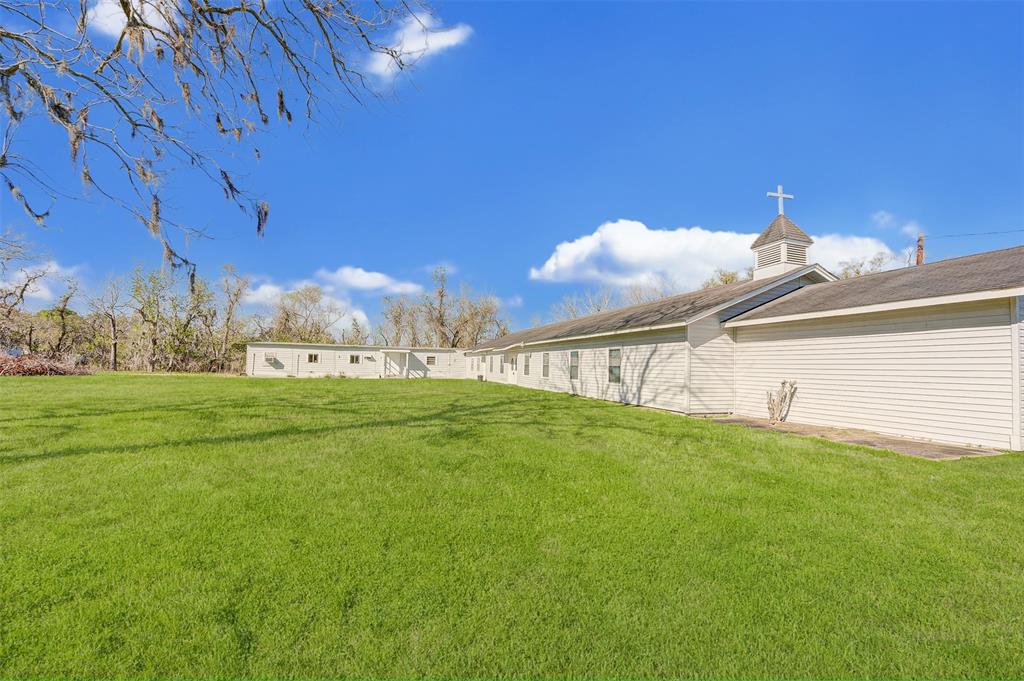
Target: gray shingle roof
{"type": "Point", "coordinates": [781, 228]}
{"type": "Point", "coordinates": [674, 309]}
{"type": "Point", "coordinates": [989, 271]}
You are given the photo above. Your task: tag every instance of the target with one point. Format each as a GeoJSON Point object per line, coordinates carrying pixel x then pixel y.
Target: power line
{"type": "Point", "coordinates": [950, 236]}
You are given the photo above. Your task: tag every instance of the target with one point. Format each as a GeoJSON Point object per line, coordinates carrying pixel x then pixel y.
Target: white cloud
{"type": "Point", "coordinates": [107, 16]}
{"type": "Point", "coordinates": [346, 277]}
{"type": "Point", "coordinates": [263, 294]}
{"type": "Point", "coordinates": [512, 301]}
{"type": "Point", "coordinates": [626, 252]}
{"type": "Point", "coordinates": [883, 219]}
{"type": "Point", "coordinates": [45, 289]}
{"type": "Point", "coordinates": [417, 38]}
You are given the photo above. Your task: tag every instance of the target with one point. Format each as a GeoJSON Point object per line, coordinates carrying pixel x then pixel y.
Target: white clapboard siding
{"type": "Point", "coordinates": [712, 353]}
{"type": "Point", "coordinates": [293, 360]}
{"type": "Point", "coordinates": [653, 369]}
{"type": "Point", "coordinates": [711, 367]}
{"type": "Point", "coordinates": [940, 373]}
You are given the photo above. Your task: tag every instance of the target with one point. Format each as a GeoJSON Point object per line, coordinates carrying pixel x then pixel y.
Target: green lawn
{"type": "Point", "coordinates": [195, 526]}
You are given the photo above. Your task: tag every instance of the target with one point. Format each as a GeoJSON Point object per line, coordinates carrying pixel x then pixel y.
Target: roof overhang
{"type": "Point", "coordinates": [883, 307]}
{"type": "Point", "coordinates": [768, 285]}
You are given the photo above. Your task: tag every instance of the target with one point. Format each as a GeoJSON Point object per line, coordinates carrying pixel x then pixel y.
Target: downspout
{"type": "Point", "coordinates": [1016, 311]}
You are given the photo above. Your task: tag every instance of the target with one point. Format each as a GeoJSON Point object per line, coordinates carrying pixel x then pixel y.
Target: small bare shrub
{"type": "Point", "coordinates": [780, 400]}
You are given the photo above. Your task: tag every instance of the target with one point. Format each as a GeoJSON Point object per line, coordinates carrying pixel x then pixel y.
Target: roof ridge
{"type": "Point", "coordinates": [921, 266]}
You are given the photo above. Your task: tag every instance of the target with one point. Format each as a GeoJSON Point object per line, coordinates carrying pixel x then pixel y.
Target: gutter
{"type": "Point", "coordinates": [881, 307]}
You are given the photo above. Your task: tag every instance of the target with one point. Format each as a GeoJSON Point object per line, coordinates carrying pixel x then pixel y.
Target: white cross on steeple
{"type": "Point", "coordinates": [782, 197]}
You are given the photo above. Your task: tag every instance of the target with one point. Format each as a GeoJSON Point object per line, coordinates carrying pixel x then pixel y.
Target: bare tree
{"type": "Point", "coordinates": [304, 315]}
{"type": "Point", "coordinates": [438, 312]}
{"type": "Point", "coordinates": [356, 334]}
{"type": "Point", "coordinates": [62, 314]}
{"type": "Point", "coordinates": [657, 288]}
{"type": "Point", "coordinates": [722, 277]}
{"type": "Point", "coordinates": [580, 305]}
{"type": "Point", "coordinates": [441, 318]}
{"type": "Point", "coordinates": [858, 267]}
{"type": "Point", "coordinates": [137, 97]}
{"type": "Point", "coordinates": [394, 327]}
{"type": "Point", "coordinates": [148, 301]}
{"type": "Point", "coordinates": [110, 306]}
{"type": "Point", "coordinates": [18, 276]}
{"type": "Point", "coordinates": [233, 287]}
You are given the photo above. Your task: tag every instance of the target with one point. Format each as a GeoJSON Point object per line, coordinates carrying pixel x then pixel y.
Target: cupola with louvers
{"type": "Point", "coordinates": [780, 248]}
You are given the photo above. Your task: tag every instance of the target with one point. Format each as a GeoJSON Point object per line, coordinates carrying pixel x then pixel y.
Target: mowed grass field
{"type": "Point", "coordinates": [214, 527]}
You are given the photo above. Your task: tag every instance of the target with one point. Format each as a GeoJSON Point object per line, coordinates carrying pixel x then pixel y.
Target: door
{"type": "Point", "coordinates": [513, 368]}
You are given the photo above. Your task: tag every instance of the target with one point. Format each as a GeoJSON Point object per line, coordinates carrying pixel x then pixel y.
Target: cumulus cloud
{"type": "Point", "coordinates": [108, 17]}
{"type": "Point", "coordinates": [627, 252]}
{"type": "Point", "coordinates": [337, 287]}
{"type": "Point", "coordinates": [417, 38]}
{"type": "Point", "coordinates": [263, 294]}
{"type": "Point", "coordinates": [346, 277]}
{"type": "Point", "coordinates": [512, 302]}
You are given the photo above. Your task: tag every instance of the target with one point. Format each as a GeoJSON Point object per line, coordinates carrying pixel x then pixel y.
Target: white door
{"type": "Point", "coordinates": [513, 368]}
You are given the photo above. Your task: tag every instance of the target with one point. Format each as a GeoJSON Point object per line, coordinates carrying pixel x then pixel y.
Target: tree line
{"type": "Point", "coordinates": [166, 320]}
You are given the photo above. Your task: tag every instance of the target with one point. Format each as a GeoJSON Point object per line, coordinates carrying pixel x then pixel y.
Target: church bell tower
{"type": "Point", "coordinates": [782, 246]}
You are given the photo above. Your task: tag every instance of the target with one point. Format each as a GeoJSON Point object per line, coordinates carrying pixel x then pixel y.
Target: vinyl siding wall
{"type": "Point", "coordinates": [653, 368]}
{"type": "Point", "coordinates": [334, 361]}
{"type": "Point", "coordinates": [941, 373]}
{"type": "Point", "coordinates": [713, 353]}
{"type": "Point", "coordinates": [1019, 444]}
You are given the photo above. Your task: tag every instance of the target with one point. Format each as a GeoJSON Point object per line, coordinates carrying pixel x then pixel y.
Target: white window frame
{"type": "Point", "coordinates": [526, 364]}
{"type": "Point", "coordinates": [431, 360]}
{"type": "Point", "coordinates": [574, 354]}
{"type": "Point", "coordinates": [545, 365]}
{"type": "Point", "coordinates": [312, 358]}
{"type": "Point", "coordinates": [354, 359]}
{"type": "Point", "coordinates": [618, 381]}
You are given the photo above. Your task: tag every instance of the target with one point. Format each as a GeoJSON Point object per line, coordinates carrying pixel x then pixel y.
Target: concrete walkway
{"type": "Point", "coordinates": [919, 448]}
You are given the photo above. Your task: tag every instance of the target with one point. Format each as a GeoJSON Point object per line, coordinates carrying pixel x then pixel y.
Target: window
{"type": "Point", "coordinates": [313, 358]}
{"type": "Point", "coordinates": [526, 364]}
{"type": "Point", "coordinates": [515, 362]}
{"type": "Point", "coordinates": [270, 357]}
{"type": "Point", "coordinates": [491, 367]}
{"type": "Point", "coordinates": [431, 360]}
{"type": "Point", "coordinates": [353, 359]}
{"type": "Point", "coordinates": [614, 365]}
{"type": "Point", "coordinates": [545, 366]}
{"type": "Point", "coordinates": [574, 365]}
{"type": "Point", "coordinates": [501, 365]}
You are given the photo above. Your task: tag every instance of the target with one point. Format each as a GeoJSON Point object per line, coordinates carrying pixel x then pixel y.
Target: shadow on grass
{"type": "Point", "coordinates": [455, 421]}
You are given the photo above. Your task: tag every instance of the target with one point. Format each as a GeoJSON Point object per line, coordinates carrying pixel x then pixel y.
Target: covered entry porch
{"type": "Point", "coordinates": [396, 363]}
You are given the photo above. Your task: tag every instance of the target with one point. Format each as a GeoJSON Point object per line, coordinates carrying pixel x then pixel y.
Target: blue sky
{"type": "Point", "coordinates": [552, 148]}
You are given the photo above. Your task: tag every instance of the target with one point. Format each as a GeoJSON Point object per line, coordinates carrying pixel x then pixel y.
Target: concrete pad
{"type": "Point", "coordinates": [923, 449]}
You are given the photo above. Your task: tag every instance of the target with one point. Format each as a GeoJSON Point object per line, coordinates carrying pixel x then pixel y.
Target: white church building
{"type": "Point", "coordinates": [929, 352]}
